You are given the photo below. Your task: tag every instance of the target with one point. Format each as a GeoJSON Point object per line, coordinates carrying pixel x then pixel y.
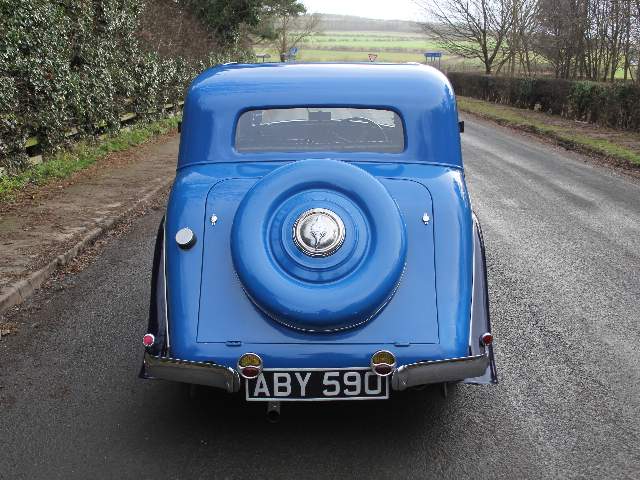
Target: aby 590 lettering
{"type": "Point", "coordinates": [317, 384]}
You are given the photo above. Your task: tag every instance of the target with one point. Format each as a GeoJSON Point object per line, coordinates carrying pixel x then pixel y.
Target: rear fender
{"type": "Point", "coordinates": [158, 322]}
{"type": "Point", "coordinates": [480, 318]}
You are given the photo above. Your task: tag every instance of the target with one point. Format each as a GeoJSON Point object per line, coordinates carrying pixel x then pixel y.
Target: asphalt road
{"type": "Point", "coordinates": [563, 240]}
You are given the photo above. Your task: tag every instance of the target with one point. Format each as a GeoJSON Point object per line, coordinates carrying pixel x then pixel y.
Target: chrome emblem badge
{"type": "Point", "coordinates": [318, 232]}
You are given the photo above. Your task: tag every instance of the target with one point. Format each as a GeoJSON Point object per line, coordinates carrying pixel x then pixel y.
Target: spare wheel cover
{"type": "Point", "coordinates": [319, 245]}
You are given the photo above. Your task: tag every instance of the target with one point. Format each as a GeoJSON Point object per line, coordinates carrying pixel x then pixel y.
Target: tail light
{"type": "Point", "coordinates": [486, 339]}
{"type": "Point", "coordinates": [383, 363]}
{"type": "Point", "coordinates": [249, 365]}
{"type": "Point", "coordinates": [148, 340]}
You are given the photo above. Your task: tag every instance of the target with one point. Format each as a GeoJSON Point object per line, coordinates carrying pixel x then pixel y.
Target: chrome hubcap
{"type": "Point", "coordinates": [318, 232]}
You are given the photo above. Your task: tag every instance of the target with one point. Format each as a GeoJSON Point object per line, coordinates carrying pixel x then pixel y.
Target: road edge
{"type": "Point", "coordinates": [16, 293]}
{"type": "Point", "coordinates": [593, 155]}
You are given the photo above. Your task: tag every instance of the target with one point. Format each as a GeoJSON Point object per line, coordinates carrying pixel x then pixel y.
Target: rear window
{"type": "Point", "coordinates": [320, 129]}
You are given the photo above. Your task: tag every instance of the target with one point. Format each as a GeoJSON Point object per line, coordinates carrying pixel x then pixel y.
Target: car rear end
{"type": "Point", "coordinates": [321, 247]}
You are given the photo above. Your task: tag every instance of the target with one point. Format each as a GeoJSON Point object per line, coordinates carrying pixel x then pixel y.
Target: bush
{"type": "Point", "coordinates": [78, 63]}
{"type": "Point", "coordinates": [615, 105]}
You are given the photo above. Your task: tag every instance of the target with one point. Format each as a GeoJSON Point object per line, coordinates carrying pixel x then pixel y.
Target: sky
{"type": "Point", "coordinates": [384, 9]}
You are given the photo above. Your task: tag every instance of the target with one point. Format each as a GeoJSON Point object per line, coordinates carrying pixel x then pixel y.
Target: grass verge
{"type": "Point", "coordinates": [83, 154]}
{"type": "Point", "coordinates": [564, 132]}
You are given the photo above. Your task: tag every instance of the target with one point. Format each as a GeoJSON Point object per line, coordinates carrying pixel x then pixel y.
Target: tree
{"type": "Point", "coordinates": [228, 19]}
{"type": "Point", "coordinates": [586, 38]}
{"type": "Point", "coordinates": [232, 21]}
{"type": "Point", "coordinates": [523, 28]}
{"type": "Point", "coordinates": [289, 25]}
{"type": "Point", "coordinates": [170, 30]}
{"type": "Point", "coordinates": [561, 37]}
{"type": "Point", "coordinates": [471, 28]}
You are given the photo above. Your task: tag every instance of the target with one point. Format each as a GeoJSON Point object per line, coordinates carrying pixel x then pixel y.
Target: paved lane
{"type": "Point", "coordinates": [563, 243]}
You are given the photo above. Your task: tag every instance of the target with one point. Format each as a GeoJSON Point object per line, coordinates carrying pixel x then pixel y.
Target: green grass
{"type": "Point", "coordinates": [81, 155]}
{"type": "Point", "coordinates": [309, 55]}
{"type": "Point", "coordinates": [392, 47]}
{"type": "Point", "coordinates": [605, 147]}
{"type": "Point", "coordinates": [371, 41]}
{"type": "Point", "coordinates": [564, 134]}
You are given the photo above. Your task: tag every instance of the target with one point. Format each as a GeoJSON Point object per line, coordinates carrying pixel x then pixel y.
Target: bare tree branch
{"type": "Point", "coordinates": [474, 29]}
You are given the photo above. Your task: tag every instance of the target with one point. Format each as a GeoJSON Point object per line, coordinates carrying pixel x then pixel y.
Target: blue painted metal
{"type": "Point", "coordinates": [210, 316]}
{"type": "Point", "coordinates": [318, 294]}
{"type": "Point", "coordinates": [222, 292]}
{"type": "Point", "coordinates": [202, 322]}
{"type": "Point", "coordinates": [420, 94]}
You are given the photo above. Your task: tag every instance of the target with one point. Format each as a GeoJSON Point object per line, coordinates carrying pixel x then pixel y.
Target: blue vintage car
{"type": "Point", "coordinates": [319, 241]}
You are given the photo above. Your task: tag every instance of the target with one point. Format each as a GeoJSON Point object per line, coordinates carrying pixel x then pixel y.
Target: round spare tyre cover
{"type": "Point", "coordinates": [319, 245]}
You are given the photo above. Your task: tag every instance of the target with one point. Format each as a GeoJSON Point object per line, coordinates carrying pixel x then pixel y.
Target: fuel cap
{"type": "Point", "coordinates": [185, 238]}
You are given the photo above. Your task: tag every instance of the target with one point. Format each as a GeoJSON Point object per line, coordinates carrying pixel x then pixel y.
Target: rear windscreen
{"type": "Point", "coordinates": [320, 129]}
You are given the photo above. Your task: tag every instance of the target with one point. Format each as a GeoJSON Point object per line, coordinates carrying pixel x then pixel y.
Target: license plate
{"type": "Point", "coordinates": [317, 385]}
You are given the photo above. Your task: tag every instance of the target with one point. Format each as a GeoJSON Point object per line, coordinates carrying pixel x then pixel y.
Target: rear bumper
{"type": "Point", "coordinates": [200, 373]}
{"type": "Point", "coordinates": [225, 378]}
{"type": "Point", "coordinates": [437, 371]}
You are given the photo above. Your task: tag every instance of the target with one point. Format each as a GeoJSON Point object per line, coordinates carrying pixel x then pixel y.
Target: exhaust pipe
{"type": "Point", "coordinates": [273, 412]}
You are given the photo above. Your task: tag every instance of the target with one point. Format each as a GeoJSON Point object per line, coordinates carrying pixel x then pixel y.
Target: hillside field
{"type": "Point", "coordinates": [355, 46]}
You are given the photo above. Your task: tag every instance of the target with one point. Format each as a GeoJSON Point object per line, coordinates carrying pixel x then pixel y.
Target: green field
{"type": "Point", "coordinates": [391, 47]}
{"type": "Point", "coordinates": [356, 46]}
{"type": "Point", "coordinates": [317, 55]}
{"type": "Point", "coordinates": [379, 41]}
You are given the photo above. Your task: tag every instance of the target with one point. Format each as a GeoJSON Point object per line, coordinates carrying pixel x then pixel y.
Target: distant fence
{"type": "Point", "coordinates": [615, 105]}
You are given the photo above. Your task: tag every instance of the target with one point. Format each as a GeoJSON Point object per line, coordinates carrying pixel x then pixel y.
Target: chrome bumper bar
{"type": "Point", "coordinates": [438, 371]}
{"type": "Point", "coordinates": [225, 378]}
{"type": "Point", "coordinates": [201, 373]}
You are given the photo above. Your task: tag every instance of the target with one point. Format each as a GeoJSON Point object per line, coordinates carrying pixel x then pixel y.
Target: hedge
{"type": "Point", "coordinates": [78, 63]}
{"type": "Point", "coordinates": [615, 105]}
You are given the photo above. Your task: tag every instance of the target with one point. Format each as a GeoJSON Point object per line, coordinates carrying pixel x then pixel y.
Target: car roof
{"type": "Point", "coordinates": [421, 95]}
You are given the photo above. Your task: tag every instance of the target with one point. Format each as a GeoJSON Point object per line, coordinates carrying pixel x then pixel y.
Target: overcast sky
{"type": "Point", "coordinates": [385, 9]}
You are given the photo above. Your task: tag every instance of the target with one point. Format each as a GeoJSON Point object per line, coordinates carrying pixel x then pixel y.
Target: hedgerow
{"type": "Point", "coordinates": [615, 105]}
{"type": "Point", "coordinates": [68, 64]}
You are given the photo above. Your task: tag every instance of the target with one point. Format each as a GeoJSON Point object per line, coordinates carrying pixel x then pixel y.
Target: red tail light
{"type": "Point", "coordinates": [383, 369]}
{"type": "Point", "coordinates": [249, 365]}
{"type": "Point", "coordinates": [486, 339]}
{"type": "Point", "coordinates": [148, 340]}
{"type": "Point", "coordinates": [383, 363]}
{"type": "Point", "coordinates": [250, 372]}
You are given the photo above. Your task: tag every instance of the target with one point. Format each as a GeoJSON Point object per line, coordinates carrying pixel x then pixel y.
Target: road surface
{"type": "Point", "coordinates": [563, 246]}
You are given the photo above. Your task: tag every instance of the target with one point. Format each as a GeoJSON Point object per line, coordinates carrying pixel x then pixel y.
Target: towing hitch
{"type": "Point", "coordinates": [273, 412]}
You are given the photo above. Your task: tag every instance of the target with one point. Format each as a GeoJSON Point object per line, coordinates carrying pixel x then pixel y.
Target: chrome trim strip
{"type": "Point", "coordinates": [480, 322]}
{"type": "Point", "coordinates": [186, 371]}
{"type": "Point", "coordinates": [335, 330]}
{"type": "Point", "coordinates": [164, 276]}
{"type": "Point", "coordinates": [474, 220]}
{"type": "Point", "coordinates": [437, 371]}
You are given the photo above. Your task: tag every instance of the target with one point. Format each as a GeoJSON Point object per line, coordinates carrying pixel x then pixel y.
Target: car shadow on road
{"type": "Point", "coordinates": [351, 432]}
